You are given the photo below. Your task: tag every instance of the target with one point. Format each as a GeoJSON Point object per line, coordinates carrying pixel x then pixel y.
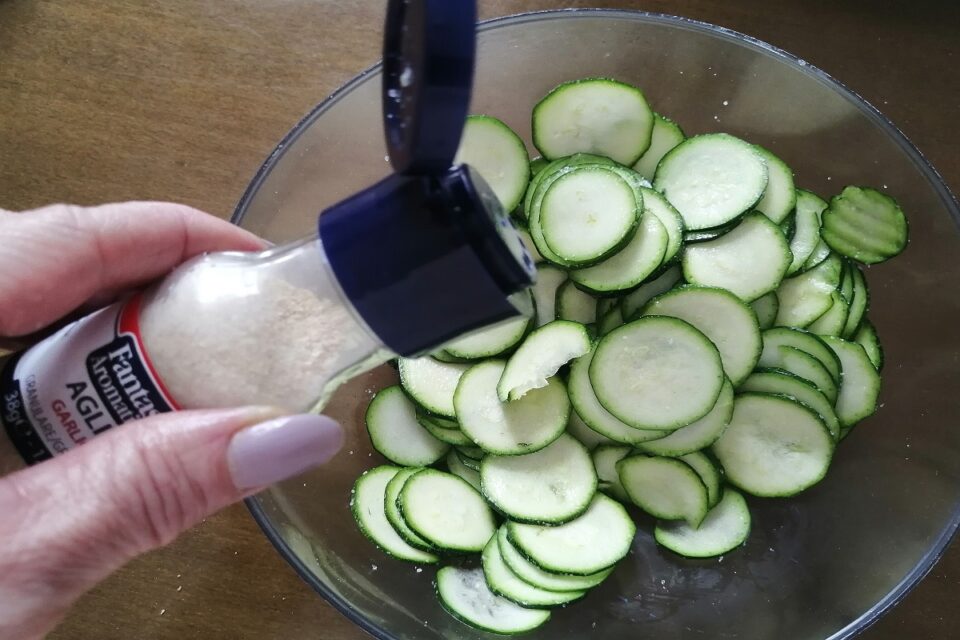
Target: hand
{"type": "Point", "coordinates": [67, 523]}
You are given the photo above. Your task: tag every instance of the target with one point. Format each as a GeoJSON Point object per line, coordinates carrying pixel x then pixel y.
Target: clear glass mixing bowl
{"type": "Point", "coordinates": [822, 565]}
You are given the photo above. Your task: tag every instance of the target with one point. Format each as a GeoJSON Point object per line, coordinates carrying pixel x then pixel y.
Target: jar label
{"type": "Point", "coordinates": [90, 376]}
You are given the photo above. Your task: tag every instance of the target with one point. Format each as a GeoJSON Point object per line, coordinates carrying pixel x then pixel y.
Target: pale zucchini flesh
{"type": "Point", "coordinates": [553, 485]}
{"type": "Point", "coordinates": [540, 357]}
{"type": "Point", "coordinates": [396, 433]}
{"type": "Point", "coordinates": [666, 488]}
{"type": "Point", "coordinates": [657, 373]}
{"type": "Point", "coordinates": [367, 502]}
{"type": "Point", "coordinates": [725, 528]}
{"type": "Point", "coordinates": [465, 594]}
{"type": "Point", "coordinates": [749, 261]}
{"type": "Point", "coordinates": [521, 426]}
{"type": "Point", "coordinates": [774, 446]}
{"type": "Point", "coordinates": [596, 540]}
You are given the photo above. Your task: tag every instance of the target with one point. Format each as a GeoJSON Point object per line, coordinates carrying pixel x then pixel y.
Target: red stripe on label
{"type": "Point", "coordinates": [129, 323]}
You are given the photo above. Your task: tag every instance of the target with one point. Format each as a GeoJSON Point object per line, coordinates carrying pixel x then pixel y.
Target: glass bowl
{"type": "Point", "coordinates": [822, 565]}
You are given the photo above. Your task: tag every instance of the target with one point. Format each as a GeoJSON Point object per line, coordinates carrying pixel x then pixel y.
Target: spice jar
{"type": "Point", "coordinates": [401, 268]}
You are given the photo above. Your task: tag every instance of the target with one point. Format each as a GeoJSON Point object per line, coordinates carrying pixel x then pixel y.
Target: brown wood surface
{"type": "Point", "coordinates": [104, 100]}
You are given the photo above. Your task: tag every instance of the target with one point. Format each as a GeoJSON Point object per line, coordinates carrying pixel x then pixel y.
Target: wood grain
{"type": "Point", "coordinates": [106, 100]}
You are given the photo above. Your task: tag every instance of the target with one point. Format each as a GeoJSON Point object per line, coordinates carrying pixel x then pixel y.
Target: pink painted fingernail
{"type": "Point", "coordinates": [281, 448]}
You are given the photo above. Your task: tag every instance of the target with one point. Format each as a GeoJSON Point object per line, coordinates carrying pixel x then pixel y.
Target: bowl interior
{"type": "Point", "coordinates": [820, 565]}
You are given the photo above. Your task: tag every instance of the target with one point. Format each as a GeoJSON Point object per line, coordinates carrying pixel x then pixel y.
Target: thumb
{"type": "Point", "coordinates": [69, 522]}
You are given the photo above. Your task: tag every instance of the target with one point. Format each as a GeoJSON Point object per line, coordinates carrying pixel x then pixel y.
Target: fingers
{"type": "Point", "coordinates": [69, 522]}
{"type": "Point", "coordinates": [56, 258]}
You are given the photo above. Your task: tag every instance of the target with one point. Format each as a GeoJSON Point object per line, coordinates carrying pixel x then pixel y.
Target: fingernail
{"type": "Point", "coordinates": [281, 448]}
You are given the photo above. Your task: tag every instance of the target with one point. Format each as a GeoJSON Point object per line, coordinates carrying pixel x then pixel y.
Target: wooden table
{"type": "Point", "coordinates": [105, 100]}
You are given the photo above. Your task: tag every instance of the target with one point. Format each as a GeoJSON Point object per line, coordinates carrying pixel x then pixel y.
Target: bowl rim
{"type": "Point", "coordinates": [946, 536]}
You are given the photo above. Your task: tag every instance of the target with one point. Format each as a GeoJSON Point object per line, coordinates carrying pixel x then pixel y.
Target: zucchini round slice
{"type": "Point", "coordinates": [725, 528]}
{"type": "Point", "coordinates": [465, 594]}
{"type": "Point", "coordinates": [711, 179]}
{"type": "Point", "coordinates": [657, 373]}
{"type": "Point", "coordinates": [774, 446]}
{"type": "Point", "coordinates": [595, 115]}
{"type": "Point", "coordinates": [595, 541]}
{"type": "Point", "coordinates": [553, 485]}
{"type": "Point", "coordinates": [513, 428]}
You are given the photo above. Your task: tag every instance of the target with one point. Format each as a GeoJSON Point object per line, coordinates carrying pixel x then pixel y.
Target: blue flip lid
{"type": "Point", "coordinates": [428, 253]}
{"type": "Point", "coordinates": [428, 56]}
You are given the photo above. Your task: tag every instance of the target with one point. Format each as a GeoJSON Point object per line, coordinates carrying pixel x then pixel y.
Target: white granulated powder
{"type": "Point", "coordinates": [223, 334]}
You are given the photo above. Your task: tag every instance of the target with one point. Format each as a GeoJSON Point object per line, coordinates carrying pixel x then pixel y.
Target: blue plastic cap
{"type": "Point", "coordinates": [424, 259]}
{"type": "Point", "coordinates": [428, 56]}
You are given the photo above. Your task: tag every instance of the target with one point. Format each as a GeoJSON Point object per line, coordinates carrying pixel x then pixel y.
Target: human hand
{"type": "Point", "coordinates": [67, 523]}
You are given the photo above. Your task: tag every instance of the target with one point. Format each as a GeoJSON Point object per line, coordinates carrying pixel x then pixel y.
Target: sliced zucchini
{"type": "Point", "coordinates": [656, 373]}
{"type": "Point", "coordinates": [633, 302]}
{"type": "Point", "coordinates": [465, 594]}
{"type": "Point", "coordinates": [766, 307]}
{"type": "Point", "coordinates": [575, 305]}
{"type": "Point", "coordinates": [789, 226]}
{"type": "Point", "coordinates": [595, 541]}
{"type": "Point", "coordinates": [807, 233]}
{"type": "Point", "coordinates": [540, 357]}
{"type": "Point", "coordinates": [708, 473]}
{"type": "Point", "coordinates": [605, 304]}
{"type": "Point", "coordinates": [454, 437]}
{"type": "Point", "coordinates": [670, 218]}
{"type": "Point", "coordinates": [834, 319]}
{"type": "Point", "coordinates": [702, 235]}
{"type": "Point", "coordinates": [536, 576]}
{"type": "Point", "coordinates": [593, 413]}
{"type": "Point", "coordinates": [472, 451]}
{"type": "Point", "coordinates": [367, 502]}
{"type": "Point", "coordinates": [431, 383]}
{"type": "Point", "coordinates": [489, 342]}
{"type": "Point", "coordinates": [774, 446]}
{"type": "Point", "coordinates": [522, 426]}
{"type": "Point", "coordinates": [631, 265]}
{"type": "Point", "coordinates": [749, 261]}
{"type": "Point", "coordinates": [549, 279]}
{"type": "Point", "coordinates": [863, 224]}
{"type": "Point", "coordinates": [609, 322]}
{"type": "Point", "coordinates": [498, 154]}
{"type": "Point", "coordinates": [860, 385]}
{"type": "Point", "coordinates": [666, 135]}
{"type": "Point", "coordinates": [605, 459]}
{"type": "Point", "coordinates": [858, 304]}
{"type": "Point", "coordinates": [697, 435]}
{"type": "Point", "coordinates": [780, 197]}
{"type": "Point", "coordinates": [803, 365]}
{"type": "Point", "coordinates": [805, 297]}
{"type": "Point", "coordinates": [446, 511]}
{"type": "Point", "coordinates": [470, 463]}
{"type": "Point", "coordinates": [800, 339]}
{"type": "Point", "coordinates": [780, 382]}
{"type": "Point", "coordinates": [582, 432]}
{"type": "Point", "coordinates": [820, 253]}
{"type": "Point", "coordinates": [506, 584]}
{"type": "Point", "coordinates": [394, 431]}
{"type": "Point", "coordinates": [553, 485]}
{"type": "Point", "coordinates": [457, 468]}
{"type": "Point", "coordinates": [866, 336]}
{"type": "Point", "coordinates": [666, 488]}
{"type": "Point", "coordinates": [595, 115]}
{"type": "Point", "coordinates": [729, 323]}
{"type": "Point", "coordinates": [588, 214]}
{"type": "Point", "coordinates": [711, 179]}
{"type": "Point", "coordinates": [725, 528]}
{"type": "Point", "coordinates": [392, 509]}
